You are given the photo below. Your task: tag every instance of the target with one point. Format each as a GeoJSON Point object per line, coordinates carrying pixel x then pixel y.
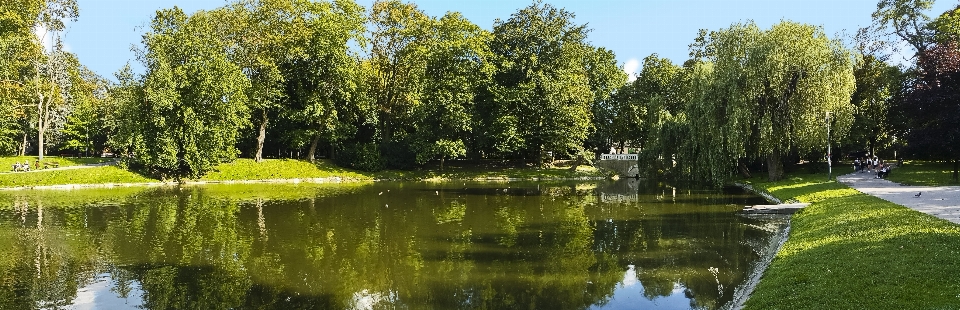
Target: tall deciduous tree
{"type": "Point", "coordinates": [397, 62]}
{"type": "Point", "coordinates": [933, 104]}
{"type": "Point", "coordinates": [906, 20]}
{"type": "Point", "coordinates": [85, 129]}
{"type": "Point", "coordinates": [37, 64]}
{"type": "Point", "coordinates": [18, 49]}
{"type": "Point", "coordinates": [271, 34]}
{"type": "Point", "coordinates": [457, 65]}
{"type": "Point", "coordinates": [322, 77]}
{"type": "Point", "coordinates": [194, 98]}
{"type": "Point", "coordinates": [541, 93]}
{"type": "Point", "coordinates": [606, 80]}
{"type": "Point", "coordinates": [661, 89]}
{"type": "Point", "coordinates": [766, 93]}
{"type": "Point", "coordinates": [876, 85]}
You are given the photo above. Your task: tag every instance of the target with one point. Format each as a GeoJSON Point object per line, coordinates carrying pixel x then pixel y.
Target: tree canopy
{"type": "Point", "coordinates": [763, 93]}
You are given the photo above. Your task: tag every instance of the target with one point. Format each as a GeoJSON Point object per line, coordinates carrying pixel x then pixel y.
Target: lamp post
{"type": "Point", "coordinates": [829, 157]}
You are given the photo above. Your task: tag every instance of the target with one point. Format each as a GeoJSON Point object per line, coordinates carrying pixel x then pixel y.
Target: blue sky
{"type": "Point", "coordinates": [633, 29]}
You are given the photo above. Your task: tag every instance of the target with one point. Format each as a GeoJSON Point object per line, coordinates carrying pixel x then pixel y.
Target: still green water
{"type": "Point", "coordinates": [607, 245]}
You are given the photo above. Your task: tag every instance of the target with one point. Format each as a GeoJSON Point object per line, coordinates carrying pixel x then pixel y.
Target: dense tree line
{"type": "Point", "coordinates": [392, 87]}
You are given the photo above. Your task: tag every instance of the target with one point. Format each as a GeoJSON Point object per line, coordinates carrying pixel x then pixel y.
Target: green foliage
{"type": "Point", "coordinates": [762, 93]}
{"type": "Point", "coordinates": [946, 27]}
{"type": "Point", "coordinates": [606, 82]}
{"type": "Point", "coordinates": [906, 19]}
{"type": "Point", "coordinates": [457, 66]}
{"type": "Point", "coordinates": [247, 169]}
{"type": "Point", "coordinates": [541, 94]}
{"type": "Point", "coordinates": [85, 130]}
{"type": "Point", "coordinates": [876, 85]}
{"type": "Point", "coordinates": [853, 251]}
{"type": "Point", "coordinates": [361, 156]}
{"type": "Point", "coordinates": [193, 101]}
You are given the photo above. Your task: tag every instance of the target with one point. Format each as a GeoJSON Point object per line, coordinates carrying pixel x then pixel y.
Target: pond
{"type": "Point", "coordinates": [385, 245]}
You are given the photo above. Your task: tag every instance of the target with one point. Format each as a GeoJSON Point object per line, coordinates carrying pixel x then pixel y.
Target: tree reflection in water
{"type": "Point", "coordinates": [437, 246]}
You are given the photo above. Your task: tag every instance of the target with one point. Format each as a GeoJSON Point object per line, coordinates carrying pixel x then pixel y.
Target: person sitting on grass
{"type": "Point", "coordinates": [26, 165]}
{"type": "Point", "coordinates": [16, 166]}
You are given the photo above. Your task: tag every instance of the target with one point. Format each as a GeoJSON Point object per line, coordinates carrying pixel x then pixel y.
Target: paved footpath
{"type": "Point", "coordinates": [939, 201]}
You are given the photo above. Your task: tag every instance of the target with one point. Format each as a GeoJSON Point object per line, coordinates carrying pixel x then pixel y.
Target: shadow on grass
{"type": "Point", "coordinates": [924, 173]}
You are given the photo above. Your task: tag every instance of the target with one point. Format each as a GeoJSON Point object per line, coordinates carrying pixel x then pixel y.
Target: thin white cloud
{"type": "Point", "coordinates": [44, 36]}
{"type": "Point", "coordinates": [630, 68]}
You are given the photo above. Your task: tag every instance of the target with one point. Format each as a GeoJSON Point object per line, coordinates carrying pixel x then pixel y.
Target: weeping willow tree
{"type": "Point", "coordinates": [762, 94]}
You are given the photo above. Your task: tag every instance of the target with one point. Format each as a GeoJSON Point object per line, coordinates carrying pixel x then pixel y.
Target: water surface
{"type": "Point", "coordinates": [607, 245]}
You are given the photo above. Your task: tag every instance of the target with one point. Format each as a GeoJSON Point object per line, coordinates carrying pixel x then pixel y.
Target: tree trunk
{"type": "Point", "coordinates": [774, 166]}
{"type": "Point", "coordinates": [313, 148]}
{"type": "Point", "coordinates": [40, 123]}
{"type": "Point", "coordinates": [744, 170]}
{"type": "Point", "coordinates": [23, 146]}
{"type": "Point", "coordinates": [441, 163]}
{"type": "Point", "coordinates": [40, 139]}
{"type": "Point", "coordinates": [956, 170]}
{"type": "Point", "coordinates": [261, 137]}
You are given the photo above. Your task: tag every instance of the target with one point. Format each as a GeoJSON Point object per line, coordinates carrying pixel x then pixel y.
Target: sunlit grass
{"type": "Point", "coordinates": [95, 175]}
{"type": "Point", "coordinates": [848, 250]}
{"type": "Point", "coordinates": [285, 169]}
{"type": "Point", "coordinates": [6, 163]}
{"type": "Point", "coordinates": [248, 169]}
{"type": "Point", "coordinates": [923, 173]}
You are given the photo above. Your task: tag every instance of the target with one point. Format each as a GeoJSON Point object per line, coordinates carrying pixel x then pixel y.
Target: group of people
{"type": "Point", "coordinates": [873, 164]}
{"type": "Point", "coordinates": [25, 166]}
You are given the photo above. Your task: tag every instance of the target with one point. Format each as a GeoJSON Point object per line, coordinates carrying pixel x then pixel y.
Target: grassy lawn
{"type": "Point", "coordinates": [923, 173]}
{"type": "Point", "coordinates": [248, 169]}
{"type": "Point", "coordinates": [96, 175]}
{"type": "Point", "coordinates": [848, 250]}
{"type": "Point", "coordinates": [6, 163]}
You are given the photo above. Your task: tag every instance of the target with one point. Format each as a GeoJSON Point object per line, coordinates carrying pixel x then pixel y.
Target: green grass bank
{"type": "Point", "coordinates": [848, 250]}
{"type": "Point", "coordinates": [924, 173]}
{"type": "Point", "coordinates": [281, 169]}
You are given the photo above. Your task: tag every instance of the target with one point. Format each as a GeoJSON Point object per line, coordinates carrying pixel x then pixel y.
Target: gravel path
{"type": "Point", "coordinates": [940, 201]}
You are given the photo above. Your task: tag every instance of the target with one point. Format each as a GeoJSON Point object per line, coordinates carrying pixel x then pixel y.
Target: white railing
{"type": "Point", "coordinates": [619, 157]}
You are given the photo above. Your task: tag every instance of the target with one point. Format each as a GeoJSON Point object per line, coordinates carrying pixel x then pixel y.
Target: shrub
{"type": "Point", "coordinates": [361, 156]}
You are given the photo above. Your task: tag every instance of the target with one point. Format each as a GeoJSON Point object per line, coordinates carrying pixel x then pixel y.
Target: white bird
{"type": "Point", "coordinates": [381, 193]}
{"type": "Point", "coordinates": [437, 192]}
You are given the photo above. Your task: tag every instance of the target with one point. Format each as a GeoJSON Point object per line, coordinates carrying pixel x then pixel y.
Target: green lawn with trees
{"type": "Point", "coordinates": [260, 89]}
{"type": "Point", "coordinates": [271, 79]}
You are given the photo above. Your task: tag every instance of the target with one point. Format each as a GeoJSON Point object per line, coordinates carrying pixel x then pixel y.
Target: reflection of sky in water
{"type": "Point", "coordinates": [629, 295]}
{"type": "Point", "coordinates": [100, 295]}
